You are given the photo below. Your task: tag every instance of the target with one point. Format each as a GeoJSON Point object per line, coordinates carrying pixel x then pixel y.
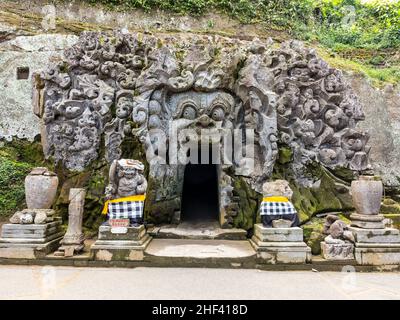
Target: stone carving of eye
{"type": "Point", "coordinates": [218, 113]}
{"type": "Point", "coordinates": [189, 112]}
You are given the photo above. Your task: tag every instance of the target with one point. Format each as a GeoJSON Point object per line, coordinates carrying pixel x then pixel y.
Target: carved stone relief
{"type": "Point", "coordinates": [113, 86]}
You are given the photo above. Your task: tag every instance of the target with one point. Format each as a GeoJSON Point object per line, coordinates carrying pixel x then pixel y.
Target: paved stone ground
{"type": "Point", "coordinates": [35, 282]}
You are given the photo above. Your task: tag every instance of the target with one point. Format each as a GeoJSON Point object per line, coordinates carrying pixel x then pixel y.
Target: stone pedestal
{"type": "Point", "coordinates": [29, 241]}
{"type": "Point", "coordinates": [121, 246]}
{"type": "Point", "coordinates": [367, 221]}
{"type": "Point", "coordinates": [280, 245]}
{"type": "Point", "coordinates": [337, 251]}
{"type": "Point", "coordinates": [377, 246]}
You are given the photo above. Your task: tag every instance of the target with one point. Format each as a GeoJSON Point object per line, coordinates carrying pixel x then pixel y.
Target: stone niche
{"type": "Point", "coordinates": [166, 90]}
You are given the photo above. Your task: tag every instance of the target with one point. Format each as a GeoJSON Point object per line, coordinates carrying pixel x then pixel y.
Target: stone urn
{"type": "Point", "coordinates": [366, 193]}
{"type": "Point", "coordinates": [40, 188]}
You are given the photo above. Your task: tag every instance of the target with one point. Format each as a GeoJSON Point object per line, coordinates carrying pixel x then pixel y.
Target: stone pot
{"type": "Point", "coordinates": [366, 193]}
{"type": "Point", "coordinates": [40, 188]}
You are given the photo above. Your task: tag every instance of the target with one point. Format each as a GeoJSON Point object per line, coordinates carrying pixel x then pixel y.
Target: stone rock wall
{"type": "Point", "coordinates": [19, 58]}
{"type": "Point", "coordinates": [382, 121]}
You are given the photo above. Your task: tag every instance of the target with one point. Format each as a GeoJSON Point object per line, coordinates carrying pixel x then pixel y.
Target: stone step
{"type": "Point", "coordinates": [30, 233]}
{"type": "Point", "coordinates": [199, 231]}
{"type": "Point", "coordinates": [9, 227]}
{"type": "Point", "coordinates": [278, 234]}
{"type": "Point", "coordinates": [387, 235]}
{"type": "Point", "coordinates": [5, 241]}
{"type": "Point", "coordinates": [187, 249]}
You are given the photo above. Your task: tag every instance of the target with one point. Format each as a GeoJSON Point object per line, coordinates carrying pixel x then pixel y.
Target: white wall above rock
{"type": "Point", "coordinates": [19, 59]}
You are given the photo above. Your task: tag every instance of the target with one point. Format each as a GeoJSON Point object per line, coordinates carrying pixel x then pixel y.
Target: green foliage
{"type": "Point", "coordinates": [375, 24]}
{"type": "Point", "coordinates": [12, 175]}
{"type": "Point", "coordinates": [17, 158]}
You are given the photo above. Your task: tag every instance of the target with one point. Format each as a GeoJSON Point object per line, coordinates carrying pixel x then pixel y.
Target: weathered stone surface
{"type": "Point", "coordinates": [73, 238]}
{"type": "Point", "coordinates": [387, 235]}
{"type": "Point", "coordinates": [277, 188]}
{"type": "Point", "coordinates": [200, 249]}
{"type": "Point", "coordinates": [372, 254]}
{"type": "Point", "coordinates": [280, 245]}
{"type": "Point", "coordinates": [382, 120]}
{"type": "Point", "coordinates": [278, 234]}
{"type": "Point", "coordinates": [38, 216]}
{"type": "Point", "coordinates": [281, 252]}
{"type": "Point", "coordinates": [367, 221]}
{"type": "Point", "coordinates": [117, 246]}
{"type": "Point", "coordinates": [29, 240]}
{"type": "Point", "coordinates": [281, 223]}
{"type": "Point", "coordinates": [126, 179]}
{"type": "Point", "coordinates": [201, 230]}
{"type": "Point", "coordinates": [337, 251]}
{"type": "Point", "coordinates": [133, 233]}
{"type": "Point", "coordinates": [33, 52]}
{"type": "Point", "coordinates": [367, 193]}
{"type": "Point", "coordinates": [40, 188]}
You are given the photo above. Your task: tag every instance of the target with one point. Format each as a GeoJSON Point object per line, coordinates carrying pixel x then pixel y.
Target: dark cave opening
{"type": "Point", "coordinates": [200, 193]}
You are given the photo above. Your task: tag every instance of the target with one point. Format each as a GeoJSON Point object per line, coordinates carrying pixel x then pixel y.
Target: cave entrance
{"type": "Point", "coordinates": [200, 194]}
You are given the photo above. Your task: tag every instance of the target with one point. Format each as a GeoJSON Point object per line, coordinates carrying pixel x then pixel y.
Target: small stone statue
{"type": "Point", "coordinates": [276, 209]}
{"type": "Point", "coordinates": [126, 191]}
{"type": "Point", "coordinates": [338, 244]}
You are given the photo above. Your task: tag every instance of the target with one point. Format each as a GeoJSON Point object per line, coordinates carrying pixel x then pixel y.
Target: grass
{"type": "Point", "coordinates": [378, 76]}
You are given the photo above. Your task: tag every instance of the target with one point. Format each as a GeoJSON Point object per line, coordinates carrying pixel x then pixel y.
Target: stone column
{"type": "Point", "coordinates": [73, 239]}
{"type": "Point", "coordinates": [375, 244]}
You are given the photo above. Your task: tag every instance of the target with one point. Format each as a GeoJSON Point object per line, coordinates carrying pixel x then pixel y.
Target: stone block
{"type": "Point", "coordinates": [387, 235]}
{"type": "Point", "coordinates": [29, 241]}
{"type": "Point", "coordinates": [337, 251]}
{"type": "Point", "coordinates": [15, 250]}
{"type": "Point", "coordinates": [133, 233]}
{"type": "Point", "coordinates": [377, 255]}
{"type": "Point", "coordinates": [278, 234]}
{"type": "Point", "coordinates": [281, 252]}
{"type": "Point", "coordinates": [127, 246]}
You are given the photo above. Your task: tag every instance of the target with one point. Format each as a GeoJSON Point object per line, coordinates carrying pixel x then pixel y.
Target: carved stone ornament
{"type": "Point", "coordinates": [112, 86]}
{"type": "Point", "coordinates": [126, 179]}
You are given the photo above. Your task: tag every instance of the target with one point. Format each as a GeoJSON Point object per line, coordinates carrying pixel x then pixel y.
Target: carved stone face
{"type": "Point", "coordinates": [124, 108]}
{"type": "Point", "coordinates": [202, 110]}
{"type": "Point", "coordinates": [277, 188]}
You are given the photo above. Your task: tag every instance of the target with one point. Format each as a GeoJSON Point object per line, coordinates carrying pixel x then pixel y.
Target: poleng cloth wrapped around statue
{"type": "Point", "coordinates": [273, 208]}
{"type": "Point", "coordinates": [125, 208]}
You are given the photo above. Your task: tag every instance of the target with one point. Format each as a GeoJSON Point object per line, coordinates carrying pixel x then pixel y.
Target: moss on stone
{"type": "Point", "coordinates": [313, 236]}
{"type": "Point", "coordinates": [327, 194]}
{"type": "Point", "coordinates": [285, 155]}
{"type": "Point", "coordinates": [249, 203]}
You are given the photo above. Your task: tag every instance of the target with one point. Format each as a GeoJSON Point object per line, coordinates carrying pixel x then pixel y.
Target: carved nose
{"type": "Point", "coordinates": [204, 120]}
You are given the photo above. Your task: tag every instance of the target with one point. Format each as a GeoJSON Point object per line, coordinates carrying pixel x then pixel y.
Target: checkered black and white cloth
{"type": "Point", "coordinates": [125, 210]}
{"type": "Point", "coordinates": [277, 208]}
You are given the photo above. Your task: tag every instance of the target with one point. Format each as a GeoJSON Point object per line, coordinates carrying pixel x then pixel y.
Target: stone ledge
{"type": "Point", "coordinates": [387, 235]}
{"type": "Point", "coordinates": [28, 250]}
{"type": "Point", "coordinates": [133, 233]}
{"type": "Point", "coordinates": [378, 256]}
{"type": "Point", "coordinates": [281, 252]}
{"type": "Point", "coordinates": [294, 234]}
{"type": "Point", "coordinates": [15, 240]}
{"type": "Point", "coordinates": [15, 227]}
